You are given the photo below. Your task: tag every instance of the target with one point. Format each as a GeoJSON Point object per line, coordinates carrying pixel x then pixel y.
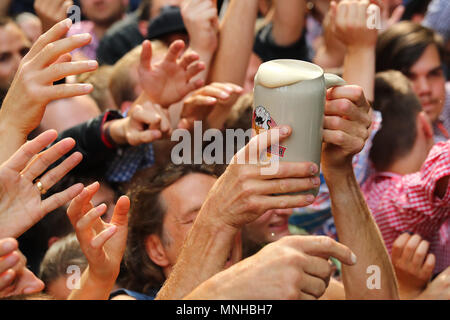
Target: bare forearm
{"type": "Point", "coordinates": [235, 43]}
{"type": "Point", "coordinates": [357, 229]}
{"type": "Point", "coordinates": [359, 69]}
{"type": "Point", "coordinates": [288, 21]}
{"type": "Point", "coordinates": [204, 254]}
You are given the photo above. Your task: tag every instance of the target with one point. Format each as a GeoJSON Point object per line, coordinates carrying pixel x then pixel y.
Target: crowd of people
{"type": "Point", "coordinates": [94, 94]}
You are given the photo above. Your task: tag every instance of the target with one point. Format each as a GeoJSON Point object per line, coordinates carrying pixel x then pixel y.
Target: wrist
{"type": "Point", "coordinates": [336, 174]}
{"type": "Point", "coordinates": [361, 49]}
{"type": "Point", "coordinates": [116, 131]}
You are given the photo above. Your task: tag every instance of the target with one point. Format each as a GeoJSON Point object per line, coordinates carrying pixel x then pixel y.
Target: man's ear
{"type": "Point", "coordinates": [155, 251]}
{"type": "Point", "coordinates": [424, 124]}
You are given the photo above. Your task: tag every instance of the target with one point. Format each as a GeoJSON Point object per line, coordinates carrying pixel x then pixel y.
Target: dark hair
{"type": "Point", "coordinates": [139, 272]}
{"type": "Point", "coordinates": [414, 7]}
{"type": "Point", "coordinates": [400, 46]}
{"type": "Point", "coordinates": [4, 20]}
{"type": "Point", "coordinates": [399, 106]}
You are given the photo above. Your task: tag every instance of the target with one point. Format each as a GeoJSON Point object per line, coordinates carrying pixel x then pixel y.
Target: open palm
{"type": "Point", "coordinates": [102, 243]}
{"type": "Point", "coordinates": [21, 205]}
{"type": "Point", "coordinates": [169, 81]}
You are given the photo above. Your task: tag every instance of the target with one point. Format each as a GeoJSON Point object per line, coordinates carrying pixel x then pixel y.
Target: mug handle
{"type": "Point", "coordinates": [332, 80]}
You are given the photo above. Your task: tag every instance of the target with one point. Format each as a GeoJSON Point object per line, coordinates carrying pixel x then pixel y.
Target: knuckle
{"type": "Point", "coordinates": [247, 189]}
{"type": "Point", "coordinates": [325, 241]}
{"type": "Point", "coordinates": [283, 185]}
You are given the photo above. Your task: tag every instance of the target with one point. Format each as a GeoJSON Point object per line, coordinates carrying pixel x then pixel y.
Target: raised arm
{"type": "Point", "coordinates": [346, 128]}
{"type": "Point", "coordinates": [102, 243]}
{"type": "Point", "coordinates": [350, 20]}
{"type": "Point", "coordinates": [288, 21]}
{"type": "Point", "coordinates": [202, 23]}
{"type": "Point", "coordinates": [237, 32]}
{"type": "Point", "coordinates": [32, 88]}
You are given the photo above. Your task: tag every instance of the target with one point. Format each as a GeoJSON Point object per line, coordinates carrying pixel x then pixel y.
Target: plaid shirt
{"type": "Point", "coordinates": [407, 204]}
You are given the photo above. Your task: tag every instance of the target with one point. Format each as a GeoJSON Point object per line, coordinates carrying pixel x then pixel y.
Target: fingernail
{"type": "Point", "coordinates": [211, 100]}
{"type": "Point", "coordinates": [68, 22]}
{"type": "Point", "coordinates": [224, 95]}
{"type": "Point", "coordinates": [83, 36]}
{"type": "Point", "coordinates": [310, 198]}
{"type": "Point", "coordinates": [314, 169]}
{"type": "Point", "coordinates": [8, 246]}
{"type": "Point", "coordinates": [92, 63]}
{"type": "Point", "coordinates": [86, 87]}
{"type": "Point", "coordinates": [101, 207]}
{"type": "Point", "coordinates": [353, 257]}
{"type": "Point", "coordinates": [316, 181]}
{"type": "Point", "coordinates": [284, 130]}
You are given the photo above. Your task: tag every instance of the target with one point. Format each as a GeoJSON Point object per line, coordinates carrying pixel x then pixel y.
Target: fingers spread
{"type": "Point", "coordinates": [56, 174]}
{"type": "Point", "coordinates": [54, 50]}
{"type": "Point", "coordinates": [62, 91]}
{"type": "Point", "coordinates": [174, 52]}
{"type": "Point", "coordinates": [59, 199]}
{"type": "Point", "coordinates": [58, 31]}
{"type": "Point", "coordinates": [43, 160]}
{"type": "Point", "coordinates": [99, 240]}
{"type": "Point", "coordinates": [27, 151]}
{"type": "Point", "coordinates": [59, 71]}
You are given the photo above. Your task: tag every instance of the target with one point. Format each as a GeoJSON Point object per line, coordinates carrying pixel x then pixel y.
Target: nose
{"type": "Point", "coordinates": [422, 86]}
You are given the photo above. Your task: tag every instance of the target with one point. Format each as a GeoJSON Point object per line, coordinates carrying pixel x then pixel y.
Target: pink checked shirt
{"type": "Point", "coordinates": [407, 204]}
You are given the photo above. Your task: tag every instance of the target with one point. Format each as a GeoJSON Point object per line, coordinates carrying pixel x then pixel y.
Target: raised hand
{"type": "Point", "coordinates": [349, 19]}
{"type": "Point", "coordinates": [32, 88]}
{"type": "Point", "coordinates": [145, 123]}
{"type": "Point", "coordinates": [199, 105]}
{"type": "Point", "coordinates": [102, 243]}
{"type": "Point", "coordinates": [346, 126]}
{"type": "Point", "coordinates": [412, 263]}
{"type": "Point", "coordinates": [202, 23]}
{"type": "Point", "coordinates": [170, 80]}
{"type": "Point", "coordinates": [21, 205]}
{"type": "Point", "coordinates": [51, 11]}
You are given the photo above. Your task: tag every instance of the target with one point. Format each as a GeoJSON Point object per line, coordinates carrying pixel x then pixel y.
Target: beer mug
{"type": "Point", "coordinates": [292, 92]}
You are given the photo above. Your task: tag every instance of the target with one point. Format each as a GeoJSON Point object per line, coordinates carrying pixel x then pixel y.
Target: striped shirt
{"type": "Point", "coordinates": [406, 203]}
